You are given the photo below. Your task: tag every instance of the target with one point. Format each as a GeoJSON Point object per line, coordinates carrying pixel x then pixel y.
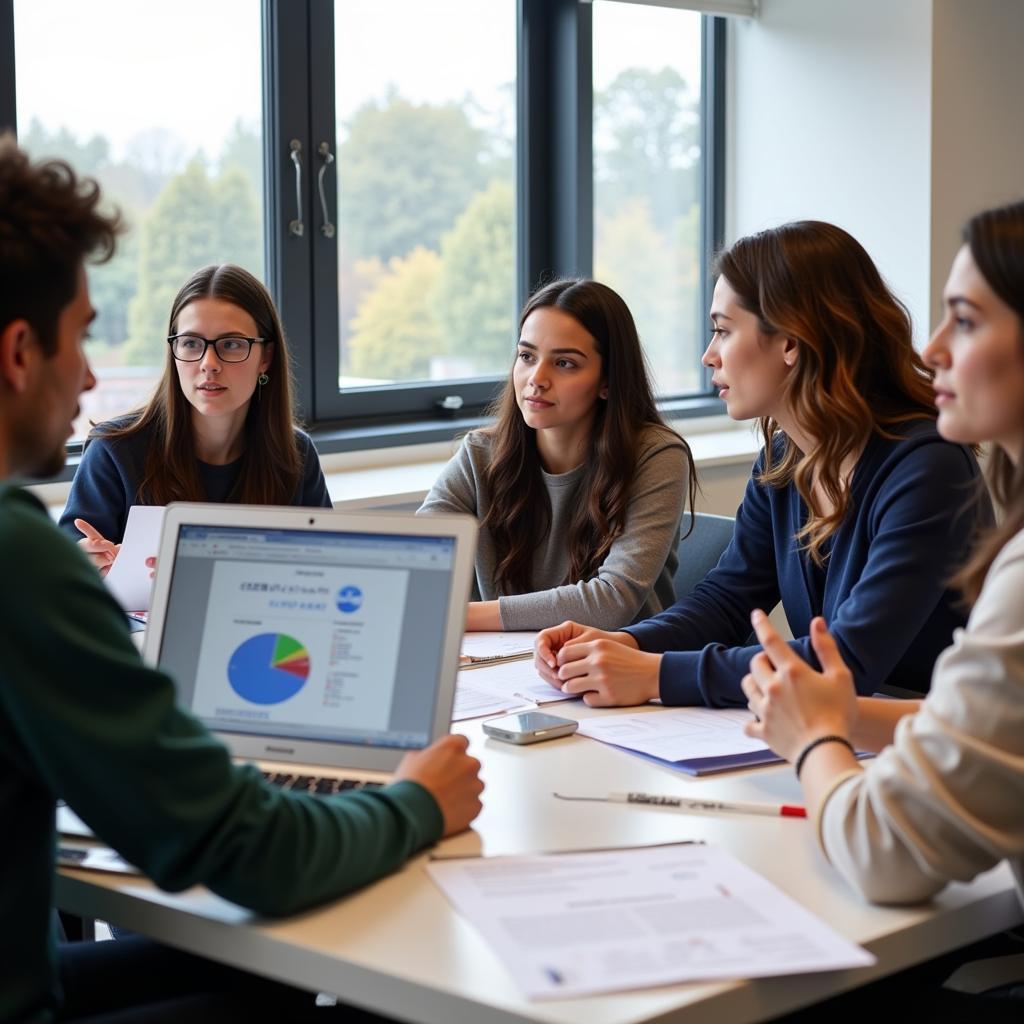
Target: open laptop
{"type": "Point", "coordinates": [320, 645]}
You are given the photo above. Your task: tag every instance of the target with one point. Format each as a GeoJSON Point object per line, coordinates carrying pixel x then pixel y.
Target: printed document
{"type": "Point", "coordinates": [129, 578]}
{"type": "Point", "coordinates": [576, 924]}
{"type": "Point", "coordinates": [682, 735]}
{"type": "Point", "coordinates": [503, 686]}
{"type": "Point", "coordinates": [485, 647]}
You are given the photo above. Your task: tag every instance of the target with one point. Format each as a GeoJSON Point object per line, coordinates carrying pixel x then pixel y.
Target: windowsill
{"type": "Point", "coordinates": [405, 474]}
{"type": "Point", "coordinates": [397, 473]}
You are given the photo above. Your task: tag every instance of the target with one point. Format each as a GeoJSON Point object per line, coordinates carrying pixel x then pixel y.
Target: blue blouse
{"type": "Point", "coordinates": [882, 589]}
{"type": "Point", "coordinates": [106, 483]}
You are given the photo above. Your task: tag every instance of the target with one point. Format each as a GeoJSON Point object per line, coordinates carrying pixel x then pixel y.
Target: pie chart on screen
{"type": "Point", "coordinates": [268, 668]}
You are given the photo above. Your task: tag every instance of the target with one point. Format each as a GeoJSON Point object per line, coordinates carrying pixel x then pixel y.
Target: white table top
{"type": "Point", "coordinates": [398, 947]}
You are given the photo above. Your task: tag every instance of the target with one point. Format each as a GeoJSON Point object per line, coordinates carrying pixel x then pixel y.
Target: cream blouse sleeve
{"type": "Point", "coordinates": [945, 801]}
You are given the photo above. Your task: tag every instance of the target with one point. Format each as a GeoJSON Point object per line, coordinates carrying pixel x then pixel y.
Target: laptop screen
{"type": "Point", "coordinates": [311, 635]}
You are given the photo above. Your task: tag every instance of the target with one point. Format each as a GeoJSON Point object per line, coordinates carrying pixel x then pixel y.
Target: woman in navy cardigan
{"type": "Point", "coordinates": [856, 509]}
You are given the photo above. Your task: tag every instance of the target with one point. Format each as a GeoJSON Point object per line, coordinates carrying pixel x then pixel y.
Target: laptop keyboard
{"type": "Point", "coordinates": [318, 785]}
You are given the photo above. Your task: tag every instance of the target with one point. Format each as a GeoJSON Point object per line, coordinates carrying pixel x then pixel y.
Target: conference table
{"type": "Point", "coordinates": [399, 948]}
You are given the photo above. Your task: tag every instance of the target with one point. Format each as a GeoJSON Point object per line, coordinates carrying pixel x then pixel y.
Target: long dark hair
{"type": "Point", "coordinates": [996, 240]}
{"type": "Point", "coordinates": [271, 462]}
{"type": "Point", "coordinates": [520, 511]}
{"type": "Point", "coordinates": [857, 373]}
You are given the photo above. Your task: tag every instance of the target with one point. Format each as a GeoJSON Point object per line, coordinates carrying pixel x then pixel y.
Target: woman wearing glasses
{"type": "Point", "coordinates": [219, 427]}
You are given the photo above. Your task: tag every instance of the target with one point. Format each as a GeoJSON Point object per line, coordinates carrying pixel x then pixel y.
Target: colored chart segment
{"type": "Point", "coordinates": [268, 668]}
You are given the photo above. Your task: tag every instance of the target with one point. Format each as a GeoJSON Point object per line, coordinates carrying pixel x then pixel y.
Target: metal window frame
{"type": "Point", "coordinates": [8, 81]}
{"type": "Point", "coordinates": [554, 215]}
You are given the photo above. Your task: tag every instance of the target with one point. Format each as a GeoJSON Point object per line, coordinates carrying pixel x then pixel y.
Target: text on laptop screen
{"type": "Point", "coordinates": [317, 635]}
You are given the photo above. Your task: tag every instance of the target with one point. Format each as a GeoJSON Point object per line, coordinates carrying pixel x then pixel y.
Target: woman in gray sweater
{"type": "Point", "coordinates": [579, 487]}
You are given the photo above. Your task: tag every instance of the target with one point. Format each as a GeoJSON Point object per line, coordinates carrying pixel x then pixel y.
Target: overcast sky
{"type": "Point", "coordinates": [121, 68]}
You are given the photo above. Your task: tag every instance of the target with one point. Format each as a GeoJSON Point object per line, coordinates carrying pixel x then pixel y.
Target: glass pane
{"type": "Point", "coordinates": [647, 179]}
{"type": "Point", "coordinates": [426, 144]}
{"type": "Point", "coordinates": [148, 99]}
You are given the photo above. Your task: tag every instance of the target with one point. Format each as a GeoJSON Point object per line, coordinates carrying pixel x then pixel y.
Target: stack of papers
{"type": "Point", "coordinates": [481, 648]}
{"type": "Point", "coordinates": [697, 741]}
{"type": "Point", "coordinates": [576, 924]}
{"type": "Point", "coordinates": [501, 687]}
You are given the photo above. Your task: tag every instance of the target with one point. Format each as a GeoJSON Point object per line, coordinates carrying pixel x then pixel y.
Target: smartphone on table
{"type": "Point", "coordinates": [529, 727]}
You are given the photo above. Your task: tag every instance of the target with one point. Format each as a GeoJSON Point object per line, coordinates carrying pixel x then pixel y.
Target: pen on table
{"type": "Point", "coordinates": [681, 803]}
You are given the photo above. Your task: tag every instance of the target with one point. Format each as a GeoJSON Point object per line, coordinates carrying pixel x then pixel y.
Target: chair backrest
{"type": "Point", "coordinates": [699, 552]}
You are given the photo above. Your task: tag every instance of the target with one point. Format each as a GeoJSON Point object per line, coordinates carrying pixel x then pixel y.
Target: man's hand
{"type": "Point", "coordinates": [795, 704]}
{"type": "Point", "coordinates": [452, 778]}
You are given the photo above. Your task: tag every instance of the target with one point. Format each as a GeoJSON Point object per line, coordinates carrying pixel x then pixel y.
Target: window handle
{"type": "Point", "coordinates": [324, 149]}
{"type": "Point", "coordinates": [295, 227]}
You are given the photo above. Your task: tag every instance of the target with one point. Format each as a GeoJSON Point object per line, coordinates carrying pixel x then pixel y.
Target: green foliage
{"type": "Point", "coordinates": [85, 157]}
{"type": "Point", "coordinates": [112, 284]}
{"type": "Point", "coordinates": [658, 281]}
{"type": "Point", "coordinates": [408, 171]}
{"type": "Point", "coordinates": [194, 221]}
{"type": "Point", "coordinates": [476, 303]}
{"type": "Point", "coordinates": [647, 153]}
{"type": "Point", "coordinates": [243, 149]}
{"type": "Point", "coordinates": [395, 331]}
{"type": "Point", "coordinates": [426, 228]}
{"type": "Point", "coordinates": [652, 144]}
{"type": "Point", "coordinates": [111, 287]}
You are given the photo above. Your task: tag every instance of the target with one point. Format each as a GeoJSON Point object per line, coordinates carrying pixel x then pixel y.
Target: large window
{"type": "Point", "coordinates": [402, 173]}
{"type": "Point", "coordinates": [648, 179]}
{"type": "Point", "coordinates": [426, 189]}
{"type": "Point", "coordinates": [169, 120]}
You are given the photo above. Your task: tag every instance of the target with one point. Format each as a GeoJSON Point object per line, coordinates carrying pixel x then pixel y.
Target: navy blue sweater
{"type": "Point", "coordinates": [106, 484]}
{"type": "Point", "coordinates": [882, 588]}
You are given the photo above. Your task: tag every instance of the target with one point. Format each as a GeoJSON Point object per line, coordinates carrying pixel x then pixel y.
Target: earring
{"type": "Point", "coordinates": [261, 380]}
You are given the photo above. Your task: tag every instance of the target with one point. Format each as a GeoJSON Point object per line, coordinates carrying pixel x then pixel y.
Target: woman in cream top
{"type": "Point", "coordinates": [944, 800]}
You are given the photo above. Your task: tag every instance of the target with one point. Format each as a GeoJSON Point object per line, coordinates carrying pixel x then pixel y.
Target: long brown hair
{"type": "Point", "coordinates": [857, 372]}
{"type": "Point", "coordinates": [520, 510]}
{"type": "Point", "coordinates": [271, 462]}
{"type": "Point", "coordinates": [996, 240]}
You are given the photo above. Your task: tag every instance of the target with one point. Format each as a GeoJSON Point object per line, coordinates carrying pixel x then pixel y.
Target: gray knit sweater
{"type": "Point", "coordinates": [635, 579]}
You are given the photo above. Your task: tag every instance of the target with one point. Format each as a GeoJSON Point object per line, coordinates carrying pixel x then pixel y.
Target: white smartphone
{"type": "Point", "coordinates": [529, 727]}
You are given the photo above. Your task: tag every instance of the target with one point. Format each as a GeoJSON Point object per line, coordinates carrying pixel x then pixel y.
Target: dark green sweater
{"type": "Point", "coordinates": [81, 718]}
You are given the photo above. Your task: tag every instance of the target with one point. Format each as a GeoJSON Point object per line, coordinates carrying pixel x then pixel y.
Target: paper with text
{"type": "Point", "coordinates": [484, 647]}
{"type": "Point", "coordinates": [568, 925]}
{"type": "Point", "coordinates": [505, 685]}
{"type": "Point", "coordinates": [129, 578]}
{"type": "Point", "coordinates": [677, 734]}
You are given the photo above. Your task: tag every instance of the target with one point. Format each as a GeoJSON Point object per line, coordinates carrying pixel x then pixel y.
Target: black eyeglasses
{"type": "Point", "coordinates": [190, 348]}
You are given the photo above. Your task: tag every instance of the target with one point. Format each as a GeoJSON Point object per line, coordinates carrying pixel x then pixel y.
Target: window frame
{"type": "Point", "coordinates": [554, 212]}
{"type": "Point", "coordinates": [554, 204]}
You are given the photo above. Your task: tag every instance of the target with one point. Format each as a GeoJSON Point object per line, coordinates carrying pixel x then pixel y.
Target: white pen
{"type": "Point", "coordinates": [680, 803]}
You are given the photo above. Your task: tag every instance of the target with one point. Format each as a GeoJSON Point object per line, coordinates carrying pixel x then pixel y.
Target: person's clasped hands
{"type": "Point", "coordinates": [606, 668]}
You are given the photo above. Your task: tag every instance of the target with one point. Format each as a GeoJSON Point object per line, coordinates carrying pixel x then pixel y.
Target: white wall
{"type": "Point", "coordinates": [977, 119]}
{"type": "Point", "coordinates": [892, 118]}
